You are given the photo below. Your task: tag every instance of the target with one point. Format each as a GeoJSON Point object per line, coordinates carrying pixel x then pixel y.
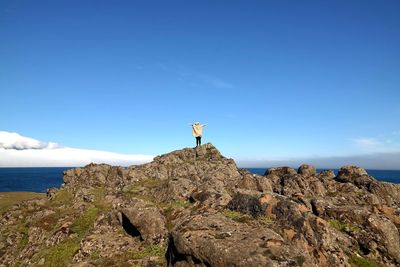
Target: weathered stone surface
{"type": "Point", "coordinates": [280, 171]}
{"type": "Point", "coordinates": [307, 170]}
{"type": "Point", "coordinates": [210, 239]}
{"type": "Point", "coordinates": [50, 192]}
{"type": "Point", "coordinates": [148, 221]}
{"type": "Point", "coordinates": [356, 175]}
{"type": "Point", "coordinates": [246, 204]}
{"type": "Point", "coordinates": [326, 175]}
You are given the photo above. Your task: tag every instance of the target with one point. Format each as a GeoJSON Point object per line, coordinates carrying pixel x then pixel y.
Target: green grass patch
{"type": "Point", "coordinates": [99, 194]}
{"type": "Point", "coordinates": [265, 220]}
{"type": "Point", "coordinates": [84, 223]}
{"type": "Point", "coordinates": [147, 183]}
{"type": "Point", "coordinates": [135, 256]}
{"type": "Point", "coordinates": [62, 197]}
{"type": "Point", "coordinates": [237, 216]}
{"type": "Point", "coordinates": [175, 204]}
{"type": "Point", "coordinates": [23, 230]}
{"type": "Point", "coordinates": [9, 199]}
{"type": "Point", "coordinates": [151, 251]}
{"type": "Point", "coordinates": [231, 214]}
{"type": "Point", "coordinates": [344, 227]}
{"type": "Point", "coordinates": [50, 221]}
{"type": "Point", "coordinates": [61, 254]}
{"type": "Point", "coordinates": [359, 261]}
{"type": "Point", "coordinates": [95, 255]}
{"type": "Point", "coordinates": [169, 209]}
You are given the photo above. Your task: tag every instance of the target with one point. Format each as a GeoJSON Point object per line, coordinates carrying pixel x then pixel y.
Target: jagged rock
{"type": "Point", "coordinates": [254, 182]}
{"type": "Point", "coordinates": [307, 170]}
{"type": "Point", "coordinates": [94, 175]}
{"type": "Point", "coordinates": [246, 204]}
{"type": "Point", "coordinates": [355, 175]}
{"type": "Point", "coordinates": [388, 235]}
{"type": "Point", "coordinates": [281, 171]}
{"type": "Point", "coordinates": [50, 192]}
{"type": "Point", "coordinates": [175, 189]}
{"type": "Point", "coordinates": [350, 172]}
{"type": "Point", "coordinates": [211, 198]}
{"type": "Point", "coordinates": [297, 185]}
{"type": "Point", "coordinates": [144, 221]}
{"type": "Point", "coordinates": [212, 240]}
{"type": "Point", "coordinates": [326, 175]}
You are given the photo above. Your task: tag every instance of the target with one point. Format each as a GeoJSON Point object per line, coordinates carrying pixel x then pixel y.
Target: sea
{"type": "Point", "coordinates": [39, 179]}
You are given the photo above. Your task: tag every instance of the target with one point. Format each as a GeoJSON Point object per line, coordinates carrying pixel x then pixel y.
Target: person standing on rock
{"type": "Point", "coordinates": [197, 132]}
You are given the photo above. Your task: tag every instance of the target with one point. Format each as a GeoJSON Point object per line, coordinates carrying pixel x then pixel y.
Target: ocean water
{"type": "Point", "coordinates": [30, 179]}
{"type": "Point", "coordinates": [39, 179]}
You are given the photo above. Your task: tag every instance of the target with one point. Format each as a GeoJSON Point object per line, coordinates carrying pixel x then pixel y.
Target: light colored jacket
{"type": "Point", "coordinates": [197, 130]}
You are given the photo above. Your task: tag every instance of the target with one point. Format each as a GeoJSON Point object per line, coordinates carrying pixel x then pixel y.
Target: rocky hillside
{"type": "Point", "coordinates": [194, 207]}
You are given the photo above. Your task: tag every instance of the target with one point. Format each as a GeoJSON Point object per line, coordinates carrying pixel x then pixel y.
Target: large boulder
{"type": "Point", "coordinates": [280, 171]}
{"type": "Point", "coordinates": [211, 239]}
{"type": "Point", "coordinates": [351, 171]}
{"type": "Point", "coordinates": [356, 175]}
{"type": "Point", "coordinates": [306, 170]}
{"type": "Point", "coordinates": [144, 221]}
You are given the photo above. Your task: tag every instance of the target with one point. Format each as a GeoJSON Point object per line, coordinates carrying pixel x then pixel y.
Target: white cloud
{"type": "Point", "coordinates": [196, 77]}
{"type": "Point", "coordinates": [375, 145]}
{"type": "Point", "coordinates": [10, 140]}
{"type": "Point", "coordinates": [20, 151]}
{"type": "Point", "coordinates": [367, 142]}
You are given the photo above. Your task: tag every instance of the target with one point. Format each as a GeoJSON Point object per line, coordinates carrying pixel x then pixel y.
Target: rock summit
{"type": "Point", "coordinates": [194, 207]}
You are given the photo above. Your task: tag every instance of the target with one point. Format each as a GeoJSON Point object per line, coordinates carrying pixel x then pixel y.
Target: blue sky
{"type": "Point", "coordinates": [273, 79]}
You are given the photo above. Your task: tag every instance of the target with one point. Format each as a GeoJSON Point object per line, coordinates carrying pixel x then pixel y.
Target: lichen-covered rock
{"type": "Point", "coordinates": [246, 204]}
{"type": "Point", "coordinates": [211, 239]}
{"type": "Point", "coordinates": [351, 172]}
{"type": "Point", "coordinates": [356, 175]}
{"type": "Point", "coordinates": [307, 170]}
{"type": "Point", "coordinates": [280, 171]}
{"type": "Point", "coordinates": [147, 221]}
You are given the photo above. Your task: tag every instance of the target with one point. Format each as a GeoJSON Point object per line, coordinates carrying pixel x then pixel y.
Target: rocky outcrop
{"type": "Point", "coordinates": [307, 170]}
{"type": "Point", "coordinates": [194, 207]}
{"type": "Point", "coordinates": [146, 222]}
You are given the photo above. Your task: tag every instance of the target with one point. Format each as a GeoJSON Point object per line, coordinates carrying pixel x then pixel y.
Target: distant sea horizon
{"type": "Point", "coordinates": [38, 179]}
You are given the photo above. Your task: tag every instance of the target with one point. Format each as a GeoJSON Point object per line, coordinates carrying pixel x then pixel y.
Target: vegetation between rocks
{"type": "Point", "coordinates": [8, 199]}
{"type": "Point", "coordinates": [359, 261]}
{"type": "Point", "coordinates": [62, 253]}
{"type": "Point", "coordinates": [344, 227]}
{"type": "Point", "coordinates": [245, 218]}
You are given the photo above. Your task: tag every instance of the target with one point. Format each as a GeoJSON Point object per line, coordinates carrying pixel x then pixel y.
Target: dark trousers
{"type": "Point", "coordinates": [198, 141]}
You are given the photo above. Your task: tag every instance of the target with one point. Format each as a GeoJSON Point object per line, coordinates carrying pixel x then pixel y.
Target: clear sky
{"type": "Point", "coordinates": [274, 80]}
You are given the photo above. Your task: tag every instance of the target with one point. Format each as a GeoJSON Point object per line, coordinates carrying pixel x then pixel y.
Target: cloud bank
{"type": "Point", "coordinates": [379, 161]}
{"type": "Point", "coordinates": [380, 153]}
{"type": "Point", "coordinates": [20, 151]}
